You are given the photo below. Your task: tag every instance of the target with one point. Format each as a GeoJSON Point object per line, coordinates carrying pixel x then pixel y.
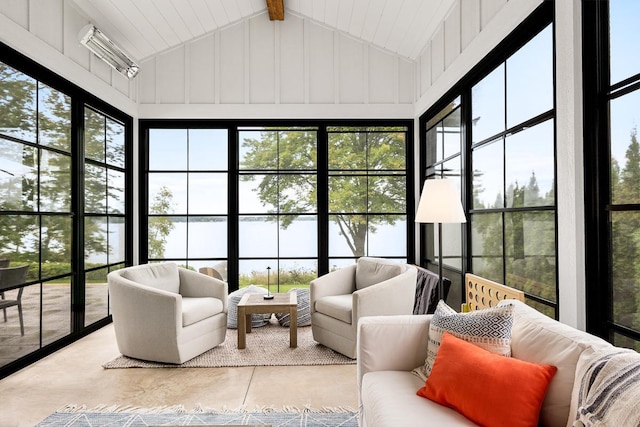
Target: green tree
{"type": "Point", "coordinates": [625, 237]}
{"type": "Point", "coordinates": [160, 226]}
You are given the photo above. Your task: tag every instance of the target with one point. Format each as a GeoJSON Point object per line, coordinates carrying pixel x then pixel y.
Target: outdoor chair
{"type": "Point", "coordinates": [10, 277]}
{"type": "Point", "coordinates": [371, 287]}
{"type": "Point", "coordinates": [164, 313]}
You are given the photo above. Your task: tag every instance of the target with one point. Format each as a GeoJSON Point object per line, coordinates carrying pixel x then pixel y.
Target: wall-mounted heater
{"type": "Point", "coordinates": [97, 42]}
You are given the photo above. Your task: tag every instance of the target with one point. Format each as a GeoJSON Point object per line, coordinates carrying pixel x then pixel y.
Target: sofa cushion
{"type": "Point", "coordinates": [370, 271]}
{"type": "Point", "coordinates": [389, 399]}
{"type": "Point", "coordinates": [257, 320]}
{"type": "Point", "coordinates": [537, 338]}
{"type": "Point", "coordinates": [488, 328]}
{"type": "Point", "coordinates": [162, 276]}
{"type": "Point", "coordinates": [304, 312]}
{"type": "Point", "coordinates": [503, 391]}
{"type": "Point", "coordinates": [197, 309]}
{"type": "Point", "coordinates": [336, 306]}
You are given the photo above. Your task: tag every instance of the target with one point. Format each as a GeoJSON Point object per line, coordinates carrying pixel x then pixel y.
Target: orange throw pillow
{"type": "Point", "coordinates": [489, 389]}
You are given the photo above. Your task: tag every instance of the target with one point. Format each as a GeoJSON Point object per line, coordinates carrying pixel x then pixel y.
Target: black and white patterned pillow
{"type": "Point", "coordinates": [489, 328]}
{"type": "Point", "coordinates": [304, 312]}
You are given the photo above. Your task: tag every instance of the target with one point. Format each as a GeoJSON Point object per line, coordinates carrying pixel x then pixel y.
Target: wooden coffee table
{"type": "Point", "coordinates": [256, 304]}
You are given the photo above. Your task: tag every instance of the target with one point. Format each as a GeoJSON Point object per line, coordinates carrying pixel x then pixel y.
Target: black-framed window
{"type": "Point", "coordinates": [302, 197]}
{"type": "Point", "coordinates": [277, 206]}
{"type": "Point", "coordinates": [494, 133]}
{"type": "Point", "coordinates": [43, 191]}
{"type": "Point", "coordinates": [105, 223]}
{"type": "Point", "coordinates": [612, 169]}
{"type": "Point", "coordinates": [187, 195]}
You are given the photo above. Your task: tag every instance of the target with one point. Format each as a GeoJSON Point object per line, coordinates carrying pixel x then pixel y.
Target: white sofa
{"type": "Point", "coordinates": [389, 348]}
{"type": "Point", "coordinates": [164, 313]}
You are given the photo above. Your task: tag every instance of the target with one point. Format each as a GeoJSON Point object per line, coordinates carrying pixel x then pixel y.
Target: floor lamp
{"type": "Point", "coordinates": [440, 203]}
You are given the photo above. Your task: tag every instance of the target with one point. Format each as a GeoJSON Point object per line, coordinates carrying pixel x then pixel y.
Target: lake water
{"type": "Point", "coordinates": [262, 239]}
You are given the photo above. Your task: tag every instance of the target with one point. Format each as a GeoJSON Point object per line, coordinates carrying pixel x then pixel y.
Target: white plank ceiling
{"type": "Point", "coordinates": [145, 27]}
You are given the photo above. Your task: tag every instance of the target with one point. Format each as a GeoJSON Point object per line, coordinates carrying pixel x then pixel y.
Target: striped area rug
{"type": "Point", "coordinates": [174, 416]}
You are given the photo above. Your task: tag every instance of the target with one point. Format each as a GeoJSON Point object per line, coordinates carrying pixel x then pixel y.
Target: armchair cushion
{"type": "Point", "coordinates": [337, 306]}
{"type": "Point", "coordinates": [370, 271]}
{"type": "Point", "coordinates": [197, 309]}
{"type": "Point", "coordinates": [162, 276]}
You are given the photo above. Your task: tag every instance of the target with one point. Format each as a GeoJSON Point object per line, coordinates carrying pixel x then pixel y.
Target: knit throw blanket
{"type": "Point", "coordinates": [609, 389]}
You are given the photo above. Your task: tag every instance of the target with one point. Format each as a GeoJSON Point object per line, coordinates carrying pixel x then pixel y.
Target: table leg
{"type": "Point", "coordinates": [242, 328]}
{"type": "Point", "coordinates": [293, 327]}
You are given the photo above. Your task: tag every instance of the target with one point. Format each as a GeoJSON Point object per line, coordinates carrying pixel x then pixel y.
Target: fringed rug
{"type": "Point", "coordinates": [266, 346]}
{"type": "Point", "coordinates": [72, 415]}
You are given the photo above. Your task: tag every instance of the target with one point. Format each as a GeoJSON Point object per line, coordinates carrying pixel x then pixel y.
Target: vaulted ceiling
{"type": "Point", "coordinates": [146, 27]}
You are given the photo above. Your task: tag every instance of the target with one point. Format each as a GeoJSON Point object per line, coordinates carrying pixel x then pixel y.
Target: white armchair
{"type": "Point", "coordinates": [371, 287]}
{"type": "Point", "coordinates": [168, 314]}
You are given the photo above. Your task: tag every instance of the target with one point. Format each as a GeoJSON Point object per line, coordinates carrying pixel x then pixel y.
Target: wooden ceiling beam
{"type": "Point", "coordinates": [276, 10]}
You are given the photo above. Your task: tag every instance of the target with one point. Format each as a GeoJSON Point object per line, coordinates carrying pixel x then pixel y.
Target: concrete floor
{"type": "Point", "coordinates": [74, 375]}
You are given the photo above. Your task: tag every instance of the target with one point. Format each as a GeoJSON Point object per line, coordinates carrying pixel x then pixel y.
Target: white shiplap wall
{"type": "Point", "coordinates": [47, 32]}
{"type": "Point", "coordinates": [470, 30]}
{"type": "Point", "coordinates": [284, 69]}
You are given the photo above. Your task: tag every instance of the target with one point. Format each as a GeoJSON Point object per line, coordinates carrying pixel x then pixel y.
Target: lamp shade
{"type": "Point", "coordinates": [440, 203]}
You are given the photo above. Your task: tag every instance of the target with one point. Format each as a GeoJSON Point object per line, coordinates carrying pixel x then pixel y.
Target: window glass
{"type": "Point", "coordinates": [625, 150]}
{"type": "Point", "coordinates": [55, 182]}
{"type": "Point", "coordinates": [348, 150]}
{"type": "Point", "coordinates": [207, 193]}
{"type": "Point", "coordinates": [116, 191]}
{"type": "Point", "coordinates": [258, 150]}
{"type": "Point", "coordinates": [18, 176]}
{"type": "Point", "coordinates": [487, 105]}
{"type": "Point", "coordinates": [94, 135]}
{"type": "Point", "coordinates": [18, 117]}
{"type": "Point", "coordinates": [54, 118]}
{"type": "Point", "coordinates": [168, 191]}
{"type": "Point", "coordinates": [115, 143]}
{"type": "Point", "coordinates": [452, 133]}
{"type": "Point", "coordinates": [486, 245]}
{"type": "Point", "coordinates": [530, 253]}
{"type": "Point", "coordinates": [96, 295]}
{"type": "Point", "coordinates": [96, 240]}
{"type": "Point", "coordinates": [624, 34]}
{"type": "Point", "coordinates": [56, 309]}
{"type": "Point", "coordinates": [250, 200]}
{"type": "Point", "coordinates": [530, 79]}
{"type": "Point", "coordinates": [95, 197]}
{"type": "Point", "coordinates": [297, 193]}
{"type": "Point", "coordinates": [298, 236]}
{"type": "Point", "coordinates": [488, 176]}
{"type": "Point", "coordinates": [529, 166]}
{"type": "Point", "coordinates": [207, 237]}
{"type": "Point", "coordinates": [625, 251]}
{"type": "Point", "coordinates": [258, 236]}
{"type": "Point", "coordinates": [208, 149]}
{"type": "Point", "coordinates": [117, 236]}
{"type": "Point", "coordinates": [167, 149]}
